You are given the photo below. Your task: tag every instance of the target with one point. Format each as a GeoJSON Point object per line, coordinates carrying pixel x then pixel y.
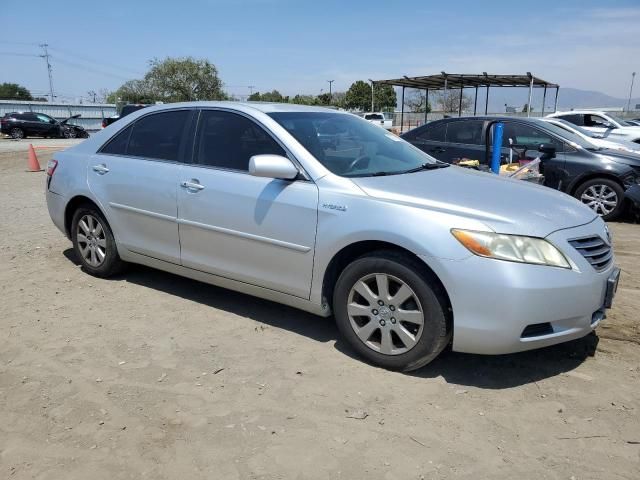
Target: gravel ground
{"type": "Point", "coordinates": [149, 375]}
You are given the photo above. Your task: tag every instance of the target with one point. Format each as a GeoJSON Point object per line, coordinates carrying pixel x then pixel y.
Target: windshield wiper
{"type": "Point", "coordinates": [427, 166]}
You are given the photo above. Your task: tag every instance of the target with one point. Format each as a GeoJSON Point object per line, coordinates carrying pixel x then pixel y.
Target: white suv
{"type": "Point", "coordinates": [604, 123]}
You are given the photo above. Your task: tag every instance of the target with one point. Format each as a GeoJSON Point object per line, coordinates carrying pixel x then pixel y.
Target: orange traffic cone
{"type": "Point", "coordinates": [33, 165]}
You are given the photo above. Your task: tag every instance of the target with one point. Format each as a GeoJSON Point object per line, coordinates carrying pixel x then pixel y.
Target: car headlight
{"type": "Point", "coordinates": [512, 248]}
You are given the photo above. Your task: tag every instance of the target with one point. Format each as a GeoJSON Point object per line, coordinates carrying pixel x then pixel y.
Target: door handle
{"type": "Point", "coordinates": [100, 169]}
{"type": "Point", "coordinates": [192, 184]}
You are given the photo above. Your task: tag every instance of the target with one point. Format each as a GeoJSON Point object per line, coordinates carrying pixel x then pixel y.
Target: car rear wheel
{"type": "Point", "coordinates": [17, 133]}
{"type": "Point", "coordinates": [603, 196]}
{"type": "Point", "coordinates": [93, 242]}
{"type": "Point", "coordinates": [390, 312]}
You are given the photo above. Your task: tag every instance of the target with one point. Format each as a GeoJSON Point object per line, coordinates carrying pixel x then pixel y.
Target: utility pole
{"type": "Point", "coordinates": [330, 82]}
{"type": "Point", "coordinates": [633, 76]}
{"type": "Point", "coordinates": [46, 59]}
{"type": "Point", "coordinates": [93, 94]}
{"type": "Point", "coordinates": [251, 87]}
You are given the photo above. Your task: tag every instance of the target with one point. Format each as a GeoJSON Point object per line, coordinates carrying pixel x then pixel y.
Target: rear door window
{"type": "Point", "coordinates": [575, 118]}
{"type": "Point", "coordinates": [465, 131]}
{"type": "Point", "coordinates": [159, 136]}
{"type": "Point", "coordinates": [118, 144]}
{"type": "Point", "coordinates": [433, 133]}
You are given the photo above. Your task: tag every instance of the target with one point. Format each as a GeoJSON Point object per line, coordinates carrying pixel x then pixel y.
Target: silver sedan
{"type": "Point", "coordinates": [320, 210]}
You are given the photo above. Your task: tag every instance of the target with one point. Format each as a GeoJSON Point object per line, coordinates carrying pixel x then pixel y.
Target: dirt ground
{"type": "Point", "coordinates": [149, 375]}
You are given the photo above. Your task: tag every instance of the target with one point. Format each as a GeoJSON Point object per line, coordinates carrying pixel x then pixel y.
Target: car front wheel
{"type": "Point", "coordinates": [391, 312]}
{"type": "Point", "coordinates": [605, 197]}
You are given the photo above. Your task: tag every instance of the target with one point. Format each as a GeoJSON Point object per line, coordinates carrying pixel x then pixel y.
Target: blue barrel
{"type": "Point", "coordinates": [497, 146]}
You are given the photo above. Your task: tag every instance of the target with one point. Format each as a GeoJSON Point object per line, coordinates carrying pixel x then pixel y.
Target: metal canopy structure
{"type": "Point", "coordinates": [454, 81]}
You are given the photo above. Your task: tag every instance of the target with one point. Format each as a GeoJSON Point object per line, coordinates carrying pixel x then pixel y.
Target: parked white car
{"type": "Point", "coordinates": [604, 123]}
{"type": "Point", "coordinates": [378, 118]}
{"type": "Point", "coordinates": [595, 138]}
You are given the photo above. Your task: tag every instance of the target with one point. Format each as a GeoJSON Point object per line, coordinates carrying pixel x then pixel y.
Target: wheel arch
{"type": "Point", "coordinates": [591, 176]}
{"type": "Point", "coordinates": [355, 250]}
{"type": "Point", "coordinates": [72, 206]}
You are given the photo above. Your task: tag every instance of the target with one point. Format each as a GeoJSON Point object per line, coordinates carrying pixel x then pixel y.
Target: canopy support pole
{"type": "Point", "coordinates": [460, 102]}
{"type": "Point", "coordinates": [544, 99]}
{"type": "Point", "coordinates": [555, 105]}
{"type": "Point", "coordinates": [402, 113]}
{"type": "Point", "coordinates": [426, 104]}
{"type": "Point", "coordinates": [486, 102]}
{"type": "Point", "coordinates": [475, 102]}
{"type": "Point", "coordinates": [530, 95]}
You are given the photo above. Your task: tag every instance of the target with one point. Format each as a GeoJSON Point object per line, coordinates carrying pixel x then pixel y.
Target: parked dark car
{"type": "Point", "coordinates": [596, 176]}
{"type": "Point", "coordinates": [126, 110]}
{"type": "Point", "coordinates": [32, 124]}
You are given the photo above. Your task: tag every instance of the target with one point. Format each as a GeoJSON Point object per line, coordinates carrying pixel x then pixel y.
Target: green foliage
{"type": "Point", "coordinates": [358, 96]}
{"type": "Point", "coordinates": [172, 80]}
{"type": "Point", "coordinates": [13, 91]}
{"type": "Point", "coordinates": [304, 100]}
{"type": "Point", "coordinates": [385, 97]}
{"type": "Point", "coordinates": [273, 96]}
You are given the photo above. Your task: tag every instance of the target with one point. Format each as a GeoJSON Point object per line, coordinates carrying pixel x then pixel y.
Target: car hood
{"type": "Point", "coordinates": [620, 156]}
{"type": "Point", "coordinates": [504, 205]}
{"type": "Point", "coordinates": [64, 122]}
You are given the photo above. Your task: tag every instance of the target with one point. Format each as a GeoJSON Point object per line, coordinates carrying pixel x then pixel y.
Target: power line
{"type": "Point", "coordinates": [85, 59]}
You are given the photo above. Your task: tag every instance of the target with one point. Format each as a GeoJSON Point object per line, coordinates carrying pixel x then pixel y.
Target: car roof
{"type": "Point", "coordinates": [265, 107]}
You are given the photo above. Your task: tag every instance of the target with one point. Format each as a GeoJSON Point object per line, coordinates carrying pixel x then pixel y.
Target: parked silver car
{"type": "Point", "coordinates": [323, 211]}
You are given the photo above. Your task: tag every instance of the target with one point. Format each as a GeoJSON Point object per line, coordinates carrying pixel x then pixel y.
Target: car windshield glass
{"type": "Point", "coordinates": [350, 146]}
{"type": "Point", "coordinates": [565, 134]}
{"type": "Point", "coordinates": [570, 126]}
{"type": "Point", "coordinates": [621, 121]}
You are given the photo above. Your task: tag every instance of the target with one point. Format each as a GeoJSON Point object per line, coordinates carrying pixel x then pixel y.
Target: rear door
{"type": "Point", "coordinates": [255, 230]}
{"type": "Point", "coordinates": [431, 139]}
{"type": "Point", "coordinates": [465, 141]}
{"type": "Point", "coordinates": [135, 179]}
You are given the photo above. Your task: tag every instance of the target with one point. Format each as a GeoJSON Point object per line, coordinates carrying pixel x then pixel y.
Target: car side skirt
{"type": "Point", "coordinates": [254, 290]}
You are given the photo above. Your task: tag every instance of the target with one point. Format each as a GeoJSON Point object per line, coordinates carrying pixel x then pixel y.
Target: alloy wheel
{"type": "Point", "coordinates": [91, 240]}
{"type": "Point", "coordinates": [602, 199]}
{"type": "Point", "coordinates": [17, 133]}
{"type": "Point", "coordinates": [385, 314]}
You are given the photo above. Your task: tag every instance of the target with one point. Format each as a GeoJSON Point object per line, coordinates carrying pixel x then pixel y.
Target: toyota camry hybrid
{"type": "Point", "coordinates": [322, 211]}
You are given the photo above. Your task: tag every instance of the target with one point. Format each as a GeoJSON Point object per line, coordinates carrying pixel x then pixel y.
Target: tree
{"type": "Point", "coordinates": [416, 100]}
{"type": "Point", "coordinates": [304, 99]}
{"type": "Point", "coordinates": [324, 99]}
{"type": "Point", "coordinates": [273, 96]}
{"type": "Point", "coordinates": [172, 80]}
{"type": "Point", "coordinates": [184, 79]}
{"type": "Point", "coordinates": [358, 96]}
{"type": "Point", "coordinates": [385, 97]}
{"type": "Point", "coordinates": [526, 108]}
{"type": "Point", "coordinates": [449, 101]}
{"type": "Point", "coordinates": [13, 91]}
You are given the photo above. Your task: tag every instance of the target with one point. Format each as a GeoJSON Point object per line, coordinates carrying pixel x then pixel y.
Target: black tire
{"type": "Point", "coordinates": [437, 329]}
{"type": "Point", "coordinates": [606, 183]}
{"type": "Point", "coordinates": [17, 133]}
{"type": "Point", "coordinates": [111, 264]}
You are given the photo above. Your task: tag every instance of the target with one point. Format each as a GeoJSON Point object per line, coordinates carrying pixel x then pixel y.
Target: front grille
{"type": "Point", "coordinates": [594, 250]}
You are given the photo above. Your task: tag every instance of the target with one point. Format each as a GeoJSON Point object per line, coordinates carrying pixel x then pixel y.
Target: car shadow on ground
{"type": "Point", "coordinates": [482, 371]}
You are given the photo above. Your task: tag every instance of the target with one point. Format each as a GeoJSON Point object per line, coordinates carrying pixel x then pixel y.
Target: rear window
{"type": "Point", "coordinates": [574, 118]}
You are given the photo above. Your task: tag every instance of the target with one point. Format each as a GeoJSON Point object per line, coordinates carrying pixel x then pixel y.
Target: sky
{"type": "Point", "coordinates": [295, 46]}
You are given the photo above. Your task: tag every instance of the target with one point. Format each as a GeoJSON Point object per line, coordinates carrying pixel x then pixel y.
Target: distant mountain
{"type": "Point", "coordinates": [568, 98]}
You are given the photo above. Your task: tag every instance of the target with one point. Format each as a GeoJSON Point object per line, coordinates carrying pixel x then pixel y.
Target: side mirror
{"type": "Point", "coordinates": [547, 150]}
{"type": "Point", "coordinates": [608, 126]}
{"type": "Point", "coordinates": [272, 166]}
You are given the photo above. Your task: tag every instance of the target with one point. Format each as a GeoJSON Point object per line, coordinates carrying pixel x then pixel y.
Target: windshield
{"type": "Point", "coordinates": [567, 135]}
{"type": "Point", "coordinates": [350, 146]}
{"type": "Point", "coordinates": [570, 126]}
{"type": "Point", "coordinates": [620, 121]}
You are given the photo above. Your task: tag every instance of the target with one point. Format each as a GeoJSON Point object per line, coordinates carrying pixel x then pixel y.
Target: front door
{"type": "Point", "coordinates": [255, 230]}
{"type": "Point", "coordinates": [135, 178]}
{"type": "Point", "coordinates": [520, 141]}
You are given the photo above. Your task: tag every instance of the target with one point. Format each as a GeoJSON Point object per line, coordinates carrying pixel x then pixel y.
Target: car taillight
{"type": "Point", "coordinates": [104, 123]}
{"type": "Point", "coordinates": [51, 167]}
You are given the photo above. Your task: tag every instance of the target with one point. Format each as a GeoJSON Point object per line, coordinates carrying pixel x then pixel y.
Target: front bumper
{"type": "Point", "coordinates": [499, 307]}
